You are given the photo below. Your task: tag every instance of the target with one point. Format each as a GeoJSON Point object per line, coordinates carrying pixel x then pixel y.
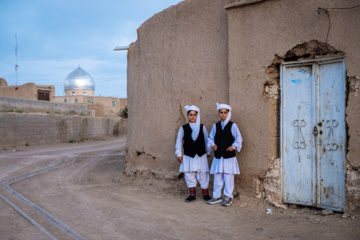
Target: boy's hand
{"type": "Point", "coordinates": [215, 147]}
{"type": "Point", "coordinates": [180, 159]}
{"type": "Point", "coordinates": [230, 149]}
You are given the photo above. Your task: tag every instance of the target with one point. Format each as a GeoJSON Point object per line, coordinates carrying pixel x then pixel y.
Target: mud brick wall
{"type": "Point", "coordinates": [18, 129]}
{"type": "Point", "coordinates": [202, 52]}
{"type": "Point", "coordinates": [34, 106]}
{"type": "Point", "coordinates": [261, 34]}
{"type": "Point", "coordinates": [179, 58]}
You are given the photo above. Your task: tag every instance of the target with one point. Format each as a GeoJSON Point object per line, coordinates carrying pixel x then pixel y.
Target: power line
{"type": "Point", "coordinates": [326, 10]}
{"type": "Point", "coordinates": [343, 8]}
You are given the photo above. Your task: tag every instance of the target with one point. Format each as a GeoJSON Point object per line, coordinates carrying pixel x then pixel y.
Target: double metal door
{"type": "Point", "coordinates": [313, 135]}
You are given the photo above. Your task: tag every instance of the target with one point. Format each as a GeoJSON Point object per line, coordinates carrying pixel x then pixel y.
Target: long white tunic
{"type": "Point", "coordinates": [228, 165]}
{"type": "Point", "coordinates": [189, 164]}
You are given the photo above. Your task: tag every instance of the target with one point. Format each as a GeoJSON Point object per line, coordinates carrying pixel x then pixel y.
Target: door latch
{"type": "Point", "coordinates": [315, 131]}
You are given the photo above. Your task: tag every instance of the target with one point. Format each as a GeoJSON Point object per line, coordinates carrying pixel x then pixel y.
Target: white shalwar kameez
{"type": "Point", "coordinates": [224, 169]}
{"type": "Point", "coordinates": [196, 168]}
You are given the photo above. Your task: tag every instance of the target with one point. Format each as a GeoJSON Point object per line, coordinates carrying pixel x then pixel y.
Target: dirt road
{"type": "Point", "coordinates": [78, 191]}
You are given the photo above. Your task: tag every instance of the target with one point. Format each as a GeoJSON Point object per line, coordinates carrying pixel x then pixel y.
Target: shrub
{"type": "Point", "coordinates": [124, 112]}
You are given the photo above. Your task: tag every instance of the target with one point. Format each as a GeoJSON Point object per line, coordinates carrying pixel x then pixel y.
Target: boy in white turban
{"type": "Point", "coordinates": [194, 163]}
{"type": "Point", "coordinates": [224, 138]}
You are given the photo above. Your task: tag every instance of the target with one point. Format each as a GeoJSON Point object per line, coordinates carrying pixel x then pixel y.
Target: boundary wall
{"type": "Point", "coordinates": [19, 129]}
{"type": "Point", "coordinates": [35, 106]}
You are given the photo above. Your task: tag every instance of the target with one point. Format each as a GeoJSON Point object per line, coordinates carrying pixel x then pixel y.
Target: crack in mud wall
{"type": "Point", "coordinates": [354, 84]}
{"type": "Point", "coordinates": [352, 171]}
{"type": "Point", "coordinates": [352, 186]}
{"type": "Point", "coordinates": [272, 185]}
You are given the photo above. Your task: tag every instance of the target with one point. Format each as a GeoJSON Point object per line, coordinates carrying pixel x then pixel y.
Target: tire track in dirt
{"type": "Point", "coordinates": [53, 220]}
{"type": "Point", "coordinates": [27, 217]}
{"type": "Point", "coordinates": [49, 217]}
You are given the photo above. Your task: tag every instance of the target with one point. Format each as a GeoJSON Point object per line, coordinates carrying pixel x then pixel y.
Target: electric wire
{"type": "Point", "coordinates": [326, 10]}
{"type": "Point", "coordinates": [343, 8]}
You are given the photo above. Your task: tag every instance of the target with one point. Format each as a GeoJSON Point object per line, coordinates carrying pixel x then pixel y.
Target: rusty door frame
{"type": "Point", "coordinates": [315, 63]}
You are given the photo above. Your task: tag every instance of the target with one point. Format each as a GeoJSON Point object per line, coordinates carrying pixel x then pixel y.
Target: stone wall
{"type": "Point", "coordinates": [34, 106]}
{"type": "Point", "coordinates": [180, 58]}
{"type": "Point", "coordinates": [19, 129]}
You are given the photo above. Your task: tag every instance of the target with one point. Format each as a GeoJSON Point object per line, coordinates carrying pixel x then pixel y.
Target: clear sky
{"type": "Point", "coordinates": [56, 36]}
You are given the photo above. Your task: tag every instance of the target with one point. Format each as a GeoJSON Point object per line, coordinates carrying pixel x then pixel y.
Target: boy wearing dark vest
{"type": "Point", "coordinates": [224, 138]}
{"type": "Point", "coordinates": [194, 163]}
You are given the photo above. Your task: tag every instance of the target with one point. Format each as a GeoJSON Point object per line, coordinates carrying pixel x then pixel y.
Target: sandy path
{"type": "Point", "coordinates": [91, 196]}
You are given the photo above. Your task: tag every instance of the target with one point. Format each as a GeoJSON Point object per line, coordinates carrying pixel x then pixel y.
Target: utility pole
{"type": "Point", "coordinates": [16, 63]}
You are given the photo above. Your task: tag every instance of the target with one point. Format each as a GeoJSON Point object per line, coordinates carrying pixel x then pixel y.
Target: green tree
{"type": "Point", "coordinates": [124, 112]}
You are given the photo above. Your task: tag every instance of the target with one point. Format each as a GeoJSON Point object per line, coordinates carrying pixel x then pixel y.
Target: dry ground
{"type": "Point", "coordinates": [80, 192]}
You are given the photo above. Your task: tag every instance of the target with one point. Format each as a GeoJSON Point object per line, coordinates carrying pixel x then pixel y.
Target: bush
{"type": "Point", "coordinates": [124, 112]}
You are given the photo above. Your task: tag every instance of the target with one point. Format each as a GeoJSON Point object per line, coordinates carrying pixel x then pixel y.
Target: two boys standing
{"type": "Point", "coordinates": [224, 139]}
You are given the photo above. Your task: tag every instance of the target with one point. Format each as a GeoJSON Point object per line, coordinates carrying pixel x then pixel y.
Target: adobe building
{"type": "Point", "coordinates": [288, 68]}
{"type": "Point", "coordinates": [27, 91]}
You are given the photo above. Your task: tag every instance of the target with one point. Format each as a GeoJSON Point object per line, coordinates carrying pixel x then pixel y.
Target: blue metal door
{"type": "Point", "coordinates": [331, 135]}
{"type": "Point", "coordinates": [298, 160]}
{"type": "Point", "coordinates": [313, 133]}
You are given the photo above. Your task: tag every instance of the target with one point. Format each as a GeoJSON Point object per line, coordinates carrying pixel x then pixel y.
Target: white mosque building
{"type": "Point", "coordinates": [79, 88]}
{"type": "Point", "coordinates": [79, 82]}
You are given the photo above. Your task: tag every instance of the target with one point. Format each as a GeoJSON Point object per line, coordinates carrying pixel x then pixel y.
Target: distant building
{"type": "Point", "coordinates": [79, 87]}
{"type": "Point", "coordinates": [79, 82]}
{"type": "Point", "coordinates": [27, 91]}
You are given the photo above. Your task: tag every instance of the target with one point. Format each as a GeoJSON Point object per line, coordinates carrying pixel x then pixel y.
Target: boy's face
{"type": "Point", "coordinates": [223, 113]}
{"type": "Point", "coordinates": [192, 116]}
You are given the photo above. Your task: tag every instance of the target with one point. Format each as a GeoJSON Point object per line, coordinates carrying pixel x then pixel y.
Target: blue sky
{"type": "Point", "coordinates": [56, 36]}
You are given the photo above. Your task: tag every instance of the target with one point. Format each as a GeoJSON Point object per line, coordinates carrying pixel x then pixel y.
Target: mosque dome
{"type": "Point", "coordinates": [79, 79]}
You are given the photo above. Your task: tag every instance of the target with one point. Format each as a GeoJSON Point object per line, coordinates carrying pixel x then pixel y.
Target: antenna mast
{"type": "Point", "coordinates": [16, 63]}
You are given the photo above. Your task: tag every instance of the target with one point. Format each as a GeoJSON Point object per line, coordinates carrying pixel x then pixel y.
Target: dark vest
{"type": "Point", "coordinates": [191, 147]}
{"type": "Point", "coordinates": [223, 140]}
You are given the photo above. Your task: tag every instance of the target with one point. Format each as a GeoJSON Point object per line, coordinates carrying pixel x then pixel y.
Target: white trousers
{"type": "Point", "coordinates": [201, 177]}
{"type": "Point", "coordinates": [219, 180]}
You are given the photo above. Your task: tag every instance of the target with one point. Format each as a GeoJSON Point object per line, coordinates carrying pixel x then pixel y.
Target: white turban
{"type": "Point", "coordinates": [196, 129]}
{"type": "Point", "coordinates": [224, 106]}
